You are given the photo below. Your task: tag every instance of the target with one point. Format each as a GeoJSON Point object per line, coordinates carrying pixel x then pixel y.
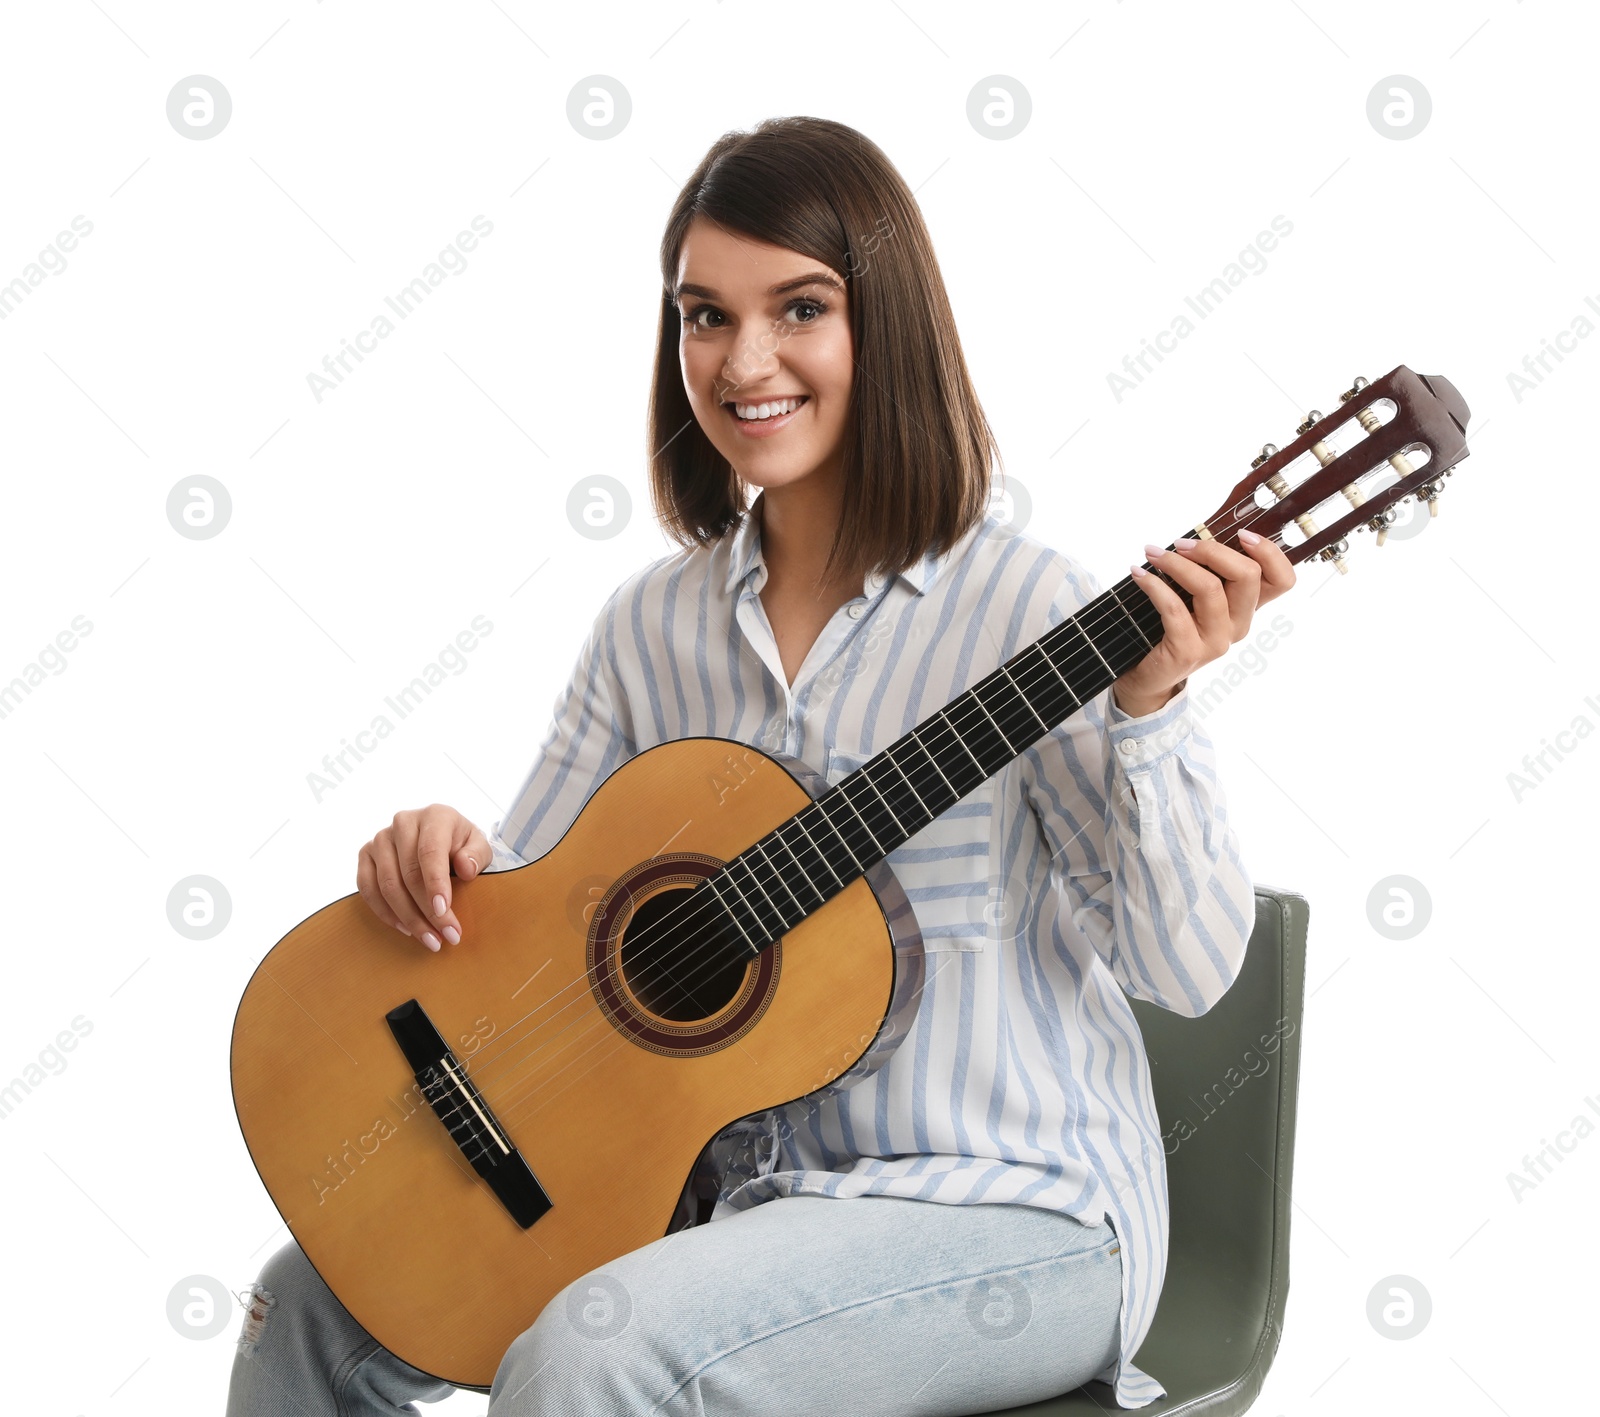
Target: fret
{"type": "Point", "coordinates": [800, 868]}
{"type": "Point", "coordinates": [1044, 654]}
{"type": "Point", "coordinates": [977, 698]}
{"type": "Point", "coordinates": [972, 731]}
{"type": "Point", "coordinates": [759, 852]}
{"type": "Point", "coordinates": [1094, 647]}
{"type": "Point", "coordinates": [822, 807]}
{"type": "Point", "coordinates": [752, 946]}
{"type": "Point", "coordinates": [764, 924]}
{"type": "Point", "coordinates": [923, 806]}
{"type": "Point", "coordinates": [915, 736]}
{"type": "Point", "coordinates": [1116, 595]}
{"type": "Point", "coordinates": [843, 795]}
{"type": "Point", "coordinates": [1025, 699]}
{"type": "Point", "coordinates": [842, 858]}
{"type": "Point", "coordinates": [799, 822]}
{"type": "Point", "coordinates": [1017, 710]}
{"type": "Point", "coordinates": [894, 817]}
{"type": "Point", "coordinates": [943, 716]}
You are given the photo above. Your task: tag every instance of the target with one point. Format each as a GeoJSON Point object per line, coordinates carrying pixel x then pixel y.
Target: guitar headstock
{"type": "Point", "coordinates": [1411, 427]}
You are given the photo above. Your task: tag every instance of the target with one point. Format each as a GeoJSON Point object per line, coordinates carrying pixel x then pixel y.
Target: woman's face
{"type": "Point", "coordinates": [762, 324]}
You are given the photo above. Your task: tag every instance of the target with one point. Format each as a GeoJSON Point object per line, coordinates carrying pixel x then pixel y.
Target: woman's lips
{"type": "Point", "coordinates": [764, 427]}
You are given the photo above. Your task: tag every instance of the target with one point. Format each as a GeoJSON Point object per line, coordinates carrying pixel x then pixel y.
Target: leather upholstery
{"type": "Point", "coordinates": [1229, 1170]}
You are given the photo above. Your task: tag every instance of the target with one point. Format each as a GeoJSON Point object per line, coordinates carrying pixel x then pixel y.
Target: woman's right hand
{"type": "Point", "coordinates": [404, 871]}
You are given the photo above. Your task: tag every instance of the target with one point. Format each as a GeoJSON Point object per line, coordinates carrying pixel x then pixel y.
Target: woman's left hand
{"type": "Point", "coordinates": [1227, 586]}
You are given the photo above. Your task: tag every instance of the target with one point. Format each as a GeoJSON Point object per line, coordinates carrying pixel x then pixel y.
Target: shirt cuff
{"type": "Point", "coordinates": [1139, 741]}
{"type": "Point", "coordinates": [504, 859]}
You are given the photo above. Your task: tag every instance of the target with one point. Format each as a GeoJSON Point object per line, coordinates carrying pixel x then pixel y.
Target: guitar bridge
{"type": "Point", "coordinates": [466, 1116]}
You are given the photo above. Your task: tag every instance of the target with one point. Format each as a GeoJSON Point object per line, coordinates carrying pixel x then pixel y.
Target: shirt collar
{"type": "Point", "coordinates": [744, 556]}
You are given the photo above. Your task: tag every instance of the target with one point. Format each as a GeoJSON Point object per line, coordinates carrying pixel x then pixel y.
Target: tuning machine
{"type": "Point", "coordinates": [1382, 522]}
{"type": "Point", "coordinates": [1280, 489]}
{"type": "Point", "coordinates": [1429, 493]}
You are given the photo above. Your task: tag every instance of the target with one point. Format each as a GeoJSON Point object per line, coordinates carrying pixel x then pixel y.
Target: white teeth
{"type": "Point", "coordinates": [750, 411]}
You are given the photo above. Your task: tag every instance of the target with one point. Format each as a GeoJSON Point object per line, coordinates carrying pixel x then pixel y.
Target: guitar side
{"type": "Point", "coordinates": [608, 1103]}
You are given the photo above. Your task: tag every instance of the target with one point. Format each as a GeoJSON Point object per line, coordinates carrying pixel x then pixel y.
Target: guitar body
{"type": "Point", "coordinates": [608, 1101]}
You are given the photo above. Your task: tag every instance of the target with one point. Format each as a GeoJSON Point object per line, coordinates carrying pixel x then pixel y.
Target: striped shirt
{"type": "Point", "coordinates": [1099, 864]}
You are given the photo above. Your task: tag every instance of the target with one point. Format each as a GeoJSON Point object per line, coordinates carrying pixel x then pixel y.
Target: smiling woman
{"type": "Point", "coordinates": [819, 452]}
{"type": "Point", "coordinates": [767, 297]}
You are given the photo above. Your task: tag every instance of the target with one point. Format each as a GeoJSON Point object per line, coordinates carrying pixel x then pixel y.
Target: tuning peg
{"type": "Point", "coordinates": [1267, 450]}
{"type": "Point", "coordinates": [1335, 553]}
{"type": "Point", "coordinates": [1311, 418]}
{"type": "Point", "coordinates": [1382, 522]}
{"type": "Point", "coordinates": [1429, 492]}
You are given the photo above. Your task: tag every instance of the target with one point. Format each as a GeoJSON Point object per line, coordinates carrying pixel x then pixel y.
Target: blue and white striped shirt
{"type": "Point", "coordinates": [1098, 864]}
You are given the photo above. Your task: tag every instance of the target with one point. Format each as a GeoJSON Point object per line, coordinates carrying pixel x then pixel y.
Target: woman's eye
{"type": "Point", "coordinates": [815, 308]}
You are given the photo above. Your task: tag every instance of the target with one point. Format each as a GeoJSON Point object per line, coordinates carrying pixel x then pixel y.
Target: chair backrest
{"type": "Point", "coordinates": [1225, 1087]}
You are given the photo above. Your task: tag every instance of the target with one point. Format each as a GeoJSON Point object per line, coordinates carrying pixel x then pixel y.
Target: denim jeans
{"type": "Point", "coordinates": [803, 1304]}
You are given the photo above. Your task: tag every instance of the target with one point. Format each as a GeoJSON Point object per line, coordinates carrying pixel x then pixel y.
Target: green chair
{"type": "Point", "coordinates": [1228, 1178]}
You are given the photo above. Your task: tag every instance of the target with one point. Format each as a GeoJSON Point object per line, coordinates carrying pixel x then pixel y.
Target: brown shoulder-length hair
{"type": "Point", "coordinates": [917, 449]}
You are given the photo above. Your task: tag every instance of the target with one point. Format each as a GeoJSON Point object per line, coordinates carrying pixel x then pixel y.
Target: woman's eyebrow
{"type": "Point", "coordinates": [811, 278]}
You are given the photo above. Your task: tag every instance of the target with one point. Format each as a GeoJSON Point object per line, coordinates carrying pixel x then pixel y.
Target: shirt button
{"type": "Point", "coordinates": [1131, 745]}
{"type": "Point", "coordinates": [856, 610]}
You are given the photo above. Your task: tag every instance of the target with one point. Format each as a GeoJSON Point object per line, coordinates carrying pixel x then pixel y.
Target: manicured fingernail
{"type": "Point", "coordinates": [1184, 543]}
{"type": "Point", "coordinates": [438, 905]}
{"type": "Point", "coordinates": [472, 862]}
{"type": "Point", "coordinates": [1139, 570]}
{"type": "Point", "coordinates": [452, 934]}
{"type": "Point", "coordinates": [1249, 538]}
{"type": "Point", "coordinates": [430, 939]}
{"type": "Point", "coordinates": [1151, 551]}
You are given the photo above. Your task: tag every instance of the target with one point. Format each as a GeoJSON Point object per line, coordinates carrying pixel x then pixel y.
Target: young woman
{"type": "Point", "coordinates": [982, 1222]}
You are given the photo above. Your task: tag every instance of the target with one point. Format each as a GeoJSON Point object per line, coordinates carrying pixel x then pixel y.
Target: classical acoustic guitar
{"type": "Point", "coordinates": [452, 1138]}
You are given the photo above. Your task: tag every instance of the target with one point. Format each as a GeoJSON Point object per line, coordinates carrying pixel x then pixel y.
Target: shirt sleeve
{"type": "Point", "coordinates": [591, 736]}
{"type": "Point", "coordinates": [1136, 822]}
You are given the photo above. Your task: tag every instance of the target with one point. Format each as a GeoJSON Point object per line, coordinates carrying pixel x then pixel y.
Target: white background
{"type": "Point", "coordinates": [369, 528]}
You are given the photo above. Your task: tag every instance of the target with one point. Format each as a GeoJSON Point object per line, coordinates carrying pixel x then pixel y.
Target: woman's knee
{"type": "Point", "coordinates": [287, 1280]}
{"type": "Point", "coordinates": [287, 1268]}
{"type": "Point", "coordinates": [595, 1347]}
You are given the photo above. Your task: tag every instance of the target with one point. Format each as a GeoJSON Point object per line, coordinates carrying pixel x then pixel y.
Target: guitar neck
{"type": "Point", "coordinates": [775, 883]}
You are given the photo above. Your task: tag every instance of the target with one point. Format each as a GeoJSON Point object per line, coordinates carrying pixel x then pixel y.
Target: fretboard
{"type": "Point", "coordinates": [776, 882]}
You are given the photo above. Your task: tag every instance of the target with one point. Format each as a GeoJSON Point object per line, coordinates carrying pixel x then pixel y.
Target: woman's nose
{"type": "Point", "coordinates": [751, 357]}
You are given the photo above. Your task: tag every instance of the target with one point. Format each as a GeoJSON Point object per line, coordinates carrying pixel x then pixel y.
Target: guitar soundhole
{"type": "Point", "coordinates": [672, 970]}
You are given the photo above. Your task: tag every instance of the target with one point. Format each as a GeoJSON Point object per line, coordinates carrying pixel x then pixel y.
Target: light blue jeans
{"type": "Point", "coordinates": [807, 1305]}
